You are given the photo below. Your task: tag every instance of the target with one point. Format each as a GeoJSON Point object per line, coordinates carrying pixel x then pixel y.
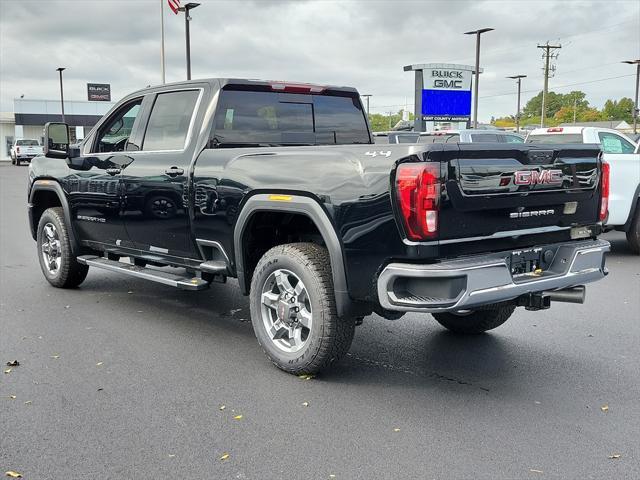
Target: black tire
{"type": "Point", "coordinates": [17, 161]}
{"type": "Point", "coordinates": [633, 234]}
{"type": "Point", "coordinates": [69, 273]}
{"type": "Point", "coordinates": [476, 321]}
{"type": "Point", "coordinates": [13, 160]}
{"type": "Point", "coordinates": [329, 337]}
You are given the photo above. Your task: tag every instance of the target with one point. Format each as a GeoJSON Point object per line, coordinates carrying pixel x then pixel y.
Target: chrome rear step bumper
{"type": "Point", "coordinates": [470, 282]}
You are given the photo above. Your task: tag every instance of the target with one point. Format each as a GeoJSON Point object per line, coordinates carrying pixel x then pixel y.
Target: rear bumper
{"type": "Point", "coordinates": [483, 279]}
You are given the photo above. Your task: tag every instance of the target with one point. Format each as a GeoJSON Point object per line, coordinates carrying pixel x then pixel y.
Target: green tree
{"type": "Point", "coordinates": [556, 101]}
{"type": "Point", "coordinates": [618, 109]}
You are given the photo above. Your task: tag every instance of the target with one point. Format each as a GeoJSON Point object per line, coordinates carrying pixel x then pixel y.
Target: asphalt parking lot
{"type": "Point", "coordinates": [126, 379]}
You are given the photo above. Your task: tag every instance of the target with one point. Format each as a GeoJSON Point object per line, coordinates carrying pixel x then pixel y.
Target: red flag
{"type": "Point", "coordinates": [174, 5]}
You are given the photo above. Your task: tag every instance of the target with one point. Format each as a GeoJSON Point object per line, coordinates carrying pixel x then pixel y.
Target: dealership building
{"type": "Point", "coordinates": [29, 116]}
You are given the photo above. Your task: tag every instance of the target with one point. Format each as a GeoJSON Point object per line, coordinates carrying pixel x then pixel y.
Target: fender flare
{"type": "Point", "coordinates": [301, 205]}
{"type": "Point", "coordinates": [52, 186]}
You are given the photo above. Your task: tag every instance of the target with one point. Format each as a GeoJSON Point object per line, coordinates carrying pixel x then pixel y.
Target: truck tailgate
{"type": "Point", "coordinates": [513, 188]}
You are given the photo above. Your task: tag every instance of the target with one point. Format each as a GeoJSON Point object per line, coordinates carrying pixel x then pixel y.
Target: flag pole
{"type": "Point", "coordinates": [162, 42]}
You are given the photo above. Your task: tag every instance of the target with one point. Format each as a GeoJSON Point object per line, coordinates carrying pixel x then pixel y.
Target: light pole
{"type": "Point", "coordinates": [368, 96]}
{"type": "Point", "coordinates": [635, 104]}
{"type": "Point", "coordinates": [477, 33]}
{"type": "Point", "coordinates": [59, 70]}
{"type": "Point", "coordinates": [187, 19]}
{"type": "Point", "coordinates": [519, 79]}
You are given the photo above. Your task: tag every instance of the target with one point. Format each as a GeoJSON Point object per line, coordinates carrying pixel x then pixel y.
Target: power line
{"type": "Point", "coordinates": [560, 86]}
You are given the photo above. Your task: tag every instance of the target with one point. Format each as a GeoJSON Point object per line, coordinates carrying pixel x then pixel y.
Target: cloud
{"type": "Point", "coordinates": [359, 43]}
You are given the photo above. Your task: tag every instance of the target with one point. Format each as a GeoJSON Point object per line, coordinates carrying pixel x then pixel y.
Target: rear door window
{"type": "Point", "coordinates": [170, 120]}
{"type": "Point", "coordinates": [612, 143]}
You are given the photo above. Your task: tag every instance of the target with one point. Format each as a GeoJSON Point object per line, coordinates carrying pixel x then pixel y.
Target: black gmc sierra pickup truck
{"type": "Point", "coordinates": [281, 186]}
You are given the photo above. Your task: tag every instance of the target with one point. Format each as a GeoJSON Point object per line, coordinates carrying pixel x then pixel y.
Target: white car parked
{"type": "Point", "coordinates": [623, 157]}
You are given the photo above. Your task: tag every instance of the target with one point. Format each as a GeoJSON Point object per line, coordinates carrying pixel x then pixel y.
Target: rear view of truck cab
{"type": "Point", "coordinates": [511, 227]}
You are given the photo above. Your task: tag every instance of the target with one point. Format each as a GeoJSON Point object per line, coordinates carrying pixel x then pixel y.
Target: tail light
{"type": "Point", "coordinates": [418, 191]}
{"type": "Point", "coordinates": [554, 129]}
{"type": "Point", "coordinates": [604, 192]}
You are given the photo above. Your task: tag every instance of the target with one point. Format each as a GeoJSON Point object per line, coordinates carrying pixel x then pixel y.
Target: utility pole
{"type": "Point", "coordinates": [477, 33]}
{"type": "Point", "coordinates": [547, 56]}
{"type": "Point", "coordinates": [367, 97]}
{"type": "Point", "coordinates": [575, 106]}
{"type": "Point", "coordinates": [635, 105]}
{"type": "Point", "coordinates": [519, 79]}
{"type": "Point", "coordinates": [60, 69]}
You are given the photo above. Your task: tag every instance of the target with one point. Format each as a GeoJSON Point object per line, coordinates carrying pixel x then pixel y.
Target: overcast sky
{"type": "Point", "coordinates": [363, 44]}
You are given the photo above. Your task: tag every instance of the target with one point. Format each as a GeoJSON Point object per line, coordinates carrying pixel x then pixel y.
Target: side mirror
{"type": "Point", "coordinates": [56, 140]}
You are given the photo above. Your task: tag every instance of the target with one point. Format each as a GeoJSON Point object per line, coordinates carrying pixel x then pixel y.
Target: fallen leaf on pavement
{"type": "Point", "coordinates": [222, 407]}
{"type": "Point", "coordinates": [100, 389]}
{"type": "Point", "coordinates": [12, 397]}
{"type": "Point", "coordinates": [305, 377]}
{"type": "Point", "coordinates": [604, 408]}
{"type": "Point", "coordinates": [238, 417]}
{"type": "Point", "coordinates": [55, 356]}
{"type": "Point", "coordinates": [224, 456]}
{"type": "Point", "coordinates": [331, 475]}
{"type": "Point", "coordinates": [396, 429]}
{"type": "Point", "coordinates": [98, 364]}
{"type": "Point", "coordinates": [8, 370]}
{"type": "Point", "coordinates": [67, 306]}
{"type": "Point", "coordinates": [533, 470]}
{"type": "Point", "coordinates": [13, 474]}
{"type": "Point", "coordinates": [28, 402]}
{"type": "Point", "coordinates": [615, 456]}
{"type": "Point", "coordinates": [305, 404]}
{"type": "Point", "coordinates": [15, 363]}
{"type": "Point", "coordinates": [171, 455]}
{"type": "Point", "coordinates": [130, 292]}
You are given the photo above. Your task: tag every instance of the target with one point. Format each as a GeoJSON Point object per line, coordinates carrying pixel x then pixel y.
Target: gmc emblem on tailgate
{"type": "Point", "coordinates": [533, 177]}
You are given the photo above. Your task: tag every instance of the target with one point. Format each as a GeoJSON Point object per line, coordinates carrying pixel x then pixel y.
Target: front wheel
{"type": "Point", "coordinates": [473, 322]}
{"type": "Point", "coordinates": [57, 262]}
{"type": "Point", "coordinates": [293, 309]}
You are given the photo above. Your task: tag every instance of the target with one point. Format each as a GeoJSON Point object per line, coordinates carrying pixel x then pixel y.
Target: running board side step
{"type": "Point", "coordinates": [166, 278]}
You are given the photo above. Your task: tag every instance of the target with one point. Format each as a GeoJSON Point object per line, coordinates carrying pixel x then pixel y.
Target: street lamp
{"type": "Point", "coordinates": [635, 105]}
{"type": "Point", "coordinates": [187, 19]}
{"type": "Point", "coordinates": [368, 96]}
{"type": "Point", "coordinates": [519, 79]}
{"type": "Point", "coordinates": [59, 70]}
{"type": "Point", "coordinates": [477, 33]}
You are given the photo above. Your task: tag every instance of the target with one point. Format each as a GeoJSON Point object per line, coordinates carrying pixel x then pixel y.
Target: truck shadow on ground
{"type": "Point", "coordinates": [417, 355]}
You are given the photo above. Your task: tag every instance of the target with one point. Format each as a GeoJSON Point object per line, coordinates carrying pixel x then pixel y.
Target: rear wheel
{"type": "Point", "coordinates": [57, 262]}
{"type": "Point", "coordinates": [17, 161]}
{"type": "Point", "coordinates": [293, 309]}
{"type": "Point", "coordinates": [633, 234]}
{"type": "Point", "coordinates": [472, 322]}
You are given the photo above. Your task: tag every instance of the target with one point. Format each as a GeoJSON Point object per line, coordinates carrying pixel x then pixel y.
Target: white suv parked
{"type": "Point", "coordinates": [623, 157]}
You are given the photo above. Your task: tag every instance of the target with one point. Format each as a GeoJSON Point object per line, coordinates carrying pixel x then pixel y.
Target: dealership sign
{"type": "Point", "coordinates": [99, 92]}
{"type": "Point", "coordinates": [446, 93]}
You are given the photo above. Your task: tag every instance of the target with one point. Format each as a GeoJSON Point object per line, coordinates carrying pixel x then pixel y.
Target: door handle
{"type": "Point", "coordinates": [174, 171]}
{"type": "Point", "coordinates": [114, 171]}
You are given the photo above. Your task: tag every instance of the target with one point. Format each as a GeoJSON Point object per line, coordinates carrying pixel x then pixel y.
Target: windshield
{"type": "Point", "coordinates": [30, 143]}
{"type": "Point", "coordinates": [261, 118]}
{"type": "Point", "coordinates": [556, 138]}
